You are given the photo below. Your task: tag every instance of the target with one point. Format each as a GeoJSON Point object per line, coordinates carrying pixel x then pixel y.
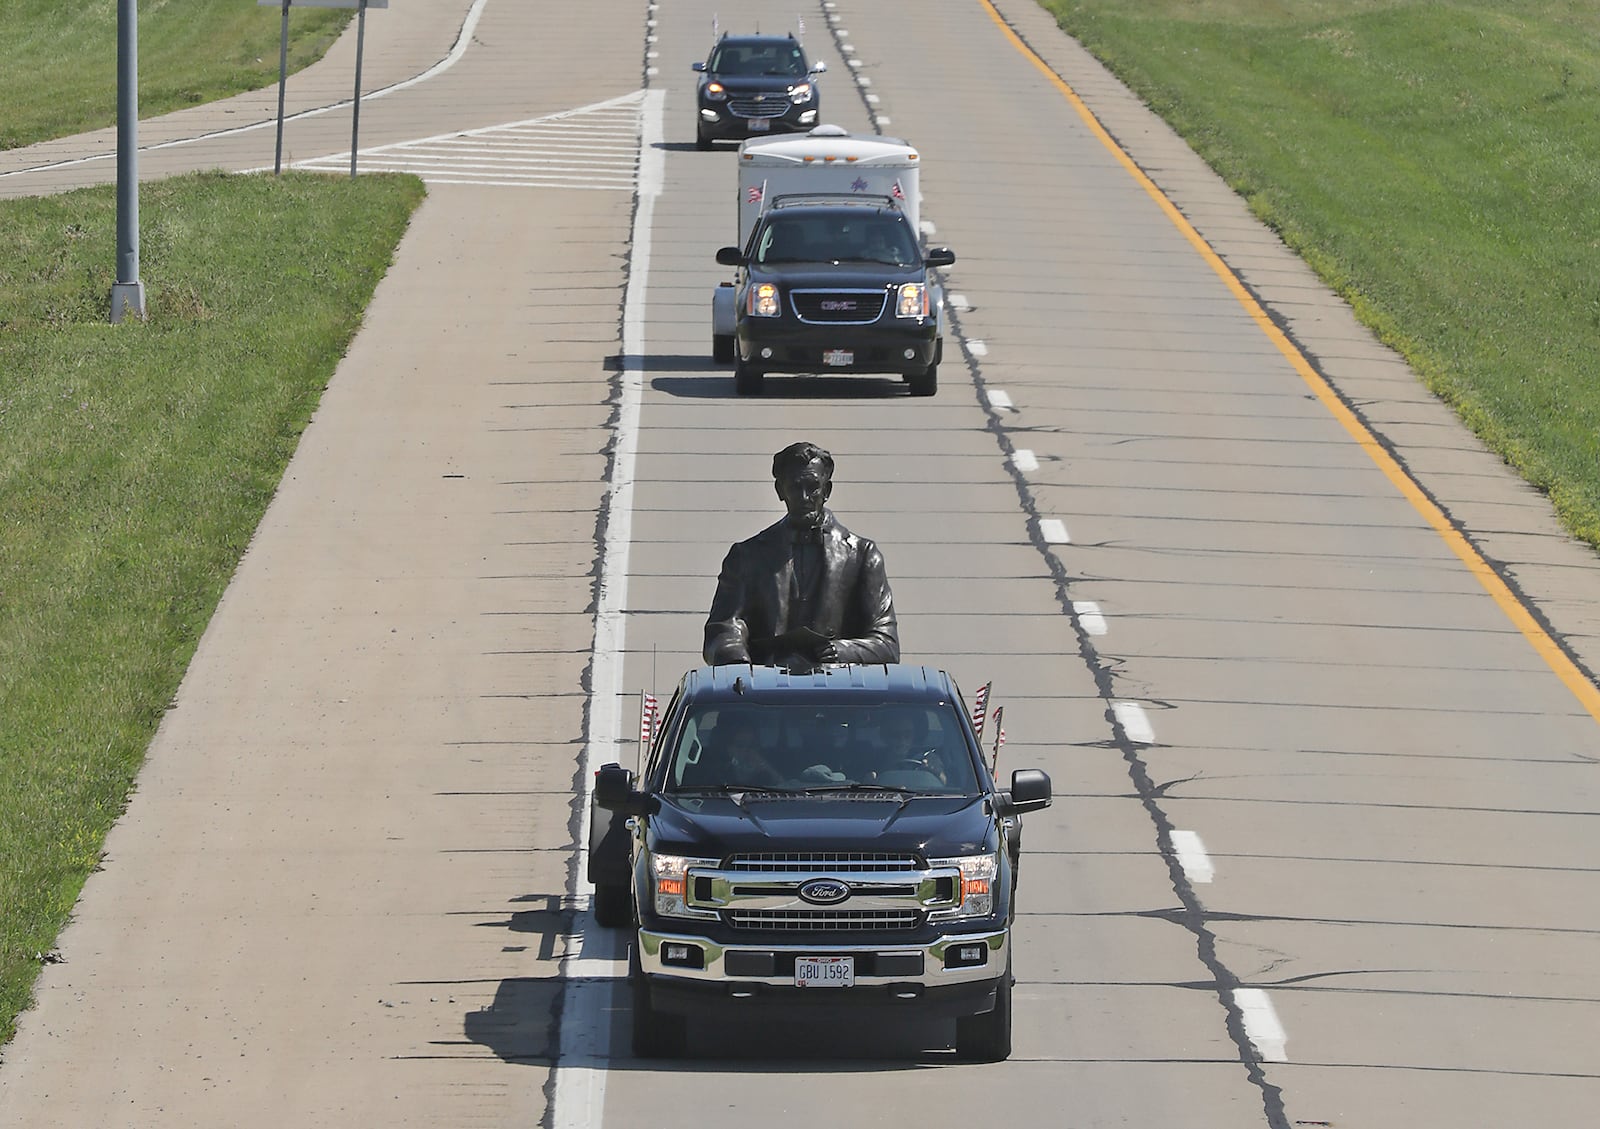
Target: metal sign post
{"type": "Point", "coordinates": [127, 293]}
{"type": "Point", "coordinates": [283, 64]}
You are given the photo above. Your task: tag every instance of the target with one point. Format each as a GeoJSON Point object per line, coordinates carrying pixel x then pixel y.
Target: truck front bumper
{"type": "Point", "coordinates": [952, 975]}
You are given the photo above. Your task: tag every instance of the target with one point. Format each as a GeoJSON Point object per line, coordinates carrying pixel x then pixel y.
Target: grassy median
{"type": "Point", "coordinates": [1437, 163]}
{"type": "Point", "coordinates": [135, 463]}
{"type": "Point", "coordinates": [58, 58]}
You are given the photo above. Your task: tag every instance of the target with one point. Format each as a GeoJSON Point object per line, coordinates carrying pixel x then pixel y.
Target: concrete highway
{"type": "Point", "coordinates": [1282, 633]}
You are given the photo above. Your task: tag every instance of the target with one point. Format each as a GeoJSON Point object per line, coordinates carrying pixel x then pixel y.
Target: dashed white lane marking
{"type": "Point", "coordinates": [593, 147]}
{"type": "Point", "coordinates": [978, 348]}
{"type": "Point", "coordinates": [1088, 613]}
{"type": "Point", "coordinates": [1192, 856]}
{"type": "Point", "coordinates": [1261, 1024]}
{"type": "Point", "coordinates": [1054, 531]}
{"type": "Point", "coordinates": [590, 970]}
{"type": "Point", "coordinates": [958, 302]}
{"type": "Point", "coordinates": [1131, 716]}
{"type": "Point", "coordinates": [927, 228]}
{"type": "Point", "coordinates": [1000, 399]}
{"type": "Point", "coordinates": [1024, 460]}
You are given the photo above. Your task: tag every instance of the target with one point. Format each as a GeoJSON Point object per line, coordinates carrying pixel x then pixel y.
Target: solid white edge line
{"type": "Point", "coordinates": [1131, 716]}
{"type": "Point", "coordinates": [583, 1042]}
{"type": "Point", "coordinates": [1261, 1024]}
{"type": "Point", "coordinates": [1192, 856]}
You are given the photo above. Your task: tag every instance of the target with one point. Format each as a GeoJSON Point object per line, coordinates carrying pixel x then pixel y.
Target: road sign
{"type": "Point", "coordinates": [320, 3]}
{"type": "Point", "coordinates": [283, 65]}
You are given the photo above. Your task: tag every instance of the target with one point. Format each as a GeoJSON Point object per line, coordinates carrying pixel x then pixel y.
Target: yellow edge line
{"type": "Point", "coordinates": [1547, 648]}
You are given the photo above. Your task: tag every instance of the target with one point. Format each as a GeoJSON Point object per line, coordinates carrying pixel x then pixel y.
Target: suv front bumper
{"type": "Point", "coordinates": [907, 348]}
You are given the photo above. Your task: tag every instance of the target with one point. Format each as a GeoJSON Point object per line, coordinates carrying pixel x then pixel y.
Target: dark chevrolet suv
{"type": "Point", "coordinates": [753, 85]}
{"type": "Point", "coordinates": [836, 283]}
{"type": "Point", "coordinates": [813, 843]}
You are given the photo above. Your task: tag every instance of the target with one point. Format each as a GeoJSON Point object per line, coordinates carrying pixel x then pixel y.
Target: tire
{"type": "Point", "coordinates": [722, 347]}
{"type": "Point", "coordinates": [747, 381]}
{"type": "Point", "coordinates": [925, 383]}
{"type": "Point", "coordinates": [701, 141]}
{"type": "Point", "coordinates": [613, 905]}
{"type": "Point", "coordinates": [655, 1034]}
{"type": "Point", "coordinates": [987, 1037]}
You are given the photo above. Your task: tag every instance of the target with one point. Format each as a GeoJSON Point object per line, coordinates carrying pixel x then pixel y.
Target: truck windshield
{"type": "Point", "coordinates": [868, 238]}
{"type": "Point", "coordinates": [912, 747]}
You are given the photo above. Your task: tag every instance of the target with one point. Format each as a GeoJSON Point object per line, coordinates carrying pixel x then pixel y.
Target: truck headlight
{"type": "Point", "coordinates": [800, 94]}
{"type": "Point", "coordinates": [912, 301]}
{"type": "Point", "coordinates": [669, 877]}
{"type": "Point", "coordinates": [761, 300]}
{"type": "Point", "coordinates": [976, 895]}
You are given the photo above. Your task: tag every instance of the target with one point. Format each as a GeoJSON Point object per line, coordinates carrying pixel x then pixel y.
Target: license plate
{"type": "Point", "coordinates": [759, 125]}
{"type": "Point", "coordinates": [837, 358]}
{"type": "Point", "coordinates": [824, 972]}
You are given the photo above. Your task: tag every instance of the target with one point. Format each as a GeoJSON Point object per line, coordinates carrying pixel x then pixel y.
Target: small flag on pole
{"type": "Point", "coordinates": [647, 718]}
{"type": "Point", "coordinates": [999, 738]}
{"type": "Point", "coordinates": [897, 192]}
{"type": "Point", "coordinates": [980, 707]}
{"type": "Point", "coordinates": [756, 193]}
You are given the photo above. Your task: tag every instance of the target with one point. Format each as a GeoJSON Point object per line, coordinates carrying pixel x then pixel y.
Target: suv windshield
{"type": "Point", "coordinates": [869, 237]}
{"type": "Point", "coordinates": [903, 747]}
{"type": "Point", "coordinates": [745, 60]}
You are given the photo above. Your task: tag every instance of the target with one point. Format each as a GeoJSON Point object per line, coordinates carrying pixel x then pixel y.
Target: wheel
{"type": "Point", "coordinates": [613, 905]}
{"type": "Point", "coordinates": [987, 1037]}
{"type": "Point", "coordinates": [701, 141]}
{"type": "Point", "coordinates": [925, 383]}
{"type": "Point", "coordinates": [655, 1034]}
{"type": "Point", "coordinates": [746, 380]}
{"type": "Point", "coordinates": [722, 347]}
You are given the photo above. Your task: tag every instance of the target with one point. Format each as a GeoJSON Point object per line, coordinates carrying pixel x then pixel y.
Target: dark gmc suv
{"type": "Point", "coordinates": [755, 84]}
{"type": "Point", "coordinates": [836, 283]}
{"type": "Point", "coordinates": [827, 841]}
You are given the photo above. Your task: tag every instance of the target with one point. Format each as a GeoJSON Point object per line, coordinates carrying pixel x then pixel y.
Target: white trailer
{"type": "Point", "coordinates": [829, 159]}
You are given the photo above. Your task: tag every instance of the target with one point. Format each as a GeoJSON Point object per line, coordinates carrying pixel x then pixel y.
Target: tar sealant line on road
{"type": "Point", "coordinates": [457, 51]}
{"type": "Point", "coordinates": [1192, 856]}
{"type": "Point", "coordinates": [589, 971]}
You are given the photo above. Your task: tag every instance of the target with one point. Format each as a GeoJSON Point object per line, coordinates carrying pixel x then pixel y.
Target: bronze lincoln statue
{"type": "Point", "coordinates": [806, 590]}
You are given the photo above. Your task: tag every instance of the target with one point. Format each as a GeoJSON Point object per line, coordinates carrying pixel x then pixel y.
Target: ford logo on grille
{"type": "Point", "coordinates": [824, 891]}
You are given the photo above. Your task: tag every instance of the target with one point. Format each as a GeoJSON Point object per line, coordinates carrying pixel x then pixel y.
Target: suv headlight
{"type": "Point", "coordinates": [978, 876]}
{"type": "Point", "coordinates": [912, 300]}
{"type": "Point", "coordinates": [762, 300]}
{"type": "Point", "coordinates": [669, 880]}
{"type": "Point", "coordinates": [800, 93]}
{"type": "Point", "coordinates": [716, 91]}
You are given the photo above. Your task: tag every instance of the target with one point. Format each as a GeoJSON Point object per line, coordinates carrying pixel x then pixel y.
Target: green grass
{"type": "Point", "coordinates": [135, 463]}
{"type": "Point", "coordinates": [58, 58]}
{"type": "Point", "coordinates": [1437, 162]}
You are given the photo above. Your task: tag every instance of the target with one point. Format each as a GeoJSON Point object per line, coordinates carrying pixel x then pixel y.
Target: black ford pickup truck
{"type": "Point", "coordinates": [827, 841]}
{"type": "Point", "coordinates": [836, 283]}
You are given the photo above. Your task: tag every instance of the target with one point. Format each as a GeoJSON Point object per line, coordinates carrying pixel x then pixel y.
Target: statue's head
{"type": "Point", "coordinates": [802, 474]}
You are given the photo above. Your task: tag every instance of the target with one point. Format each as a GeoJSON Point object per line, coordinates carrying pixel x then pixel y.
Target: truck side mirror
{"type": "Point", "coordinates": [612, 786]}
{"type": "Point", "coordinates": [730, 256]}
{"type": "Point", "coordinates": [940, 257]}
{"type": "Point", "coordinates": [1030, 790]}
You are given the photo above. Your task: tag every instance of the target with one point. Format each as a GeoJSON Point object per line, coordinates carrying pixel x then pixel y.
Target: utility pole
{"type": "Point", "coordinates": [127, 293]}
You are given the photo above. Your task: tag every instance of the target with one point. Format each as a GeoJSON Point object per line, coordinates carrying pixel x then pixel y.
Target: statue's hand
{"type": "Point", "coordinates": [828, 653]}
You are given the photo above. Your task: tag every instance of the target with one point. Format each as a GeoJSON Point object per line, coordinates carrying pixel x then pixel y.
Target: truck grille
{"type": "Point", "coordinates": [832, 862]}
{"type": "Point", "coordinates": [838, 307]}
{"type": "Point", "coordinates": [823, 920]}
{"type": "Point", "coordinates": [772, 106]}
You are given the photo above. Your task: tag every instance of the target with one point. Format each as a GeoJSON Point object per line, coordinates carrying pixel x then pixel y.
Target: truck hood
{"type": "Point", "coordinates": [716, 826]}
{"type": "Point", "coordinates": [838, 276]}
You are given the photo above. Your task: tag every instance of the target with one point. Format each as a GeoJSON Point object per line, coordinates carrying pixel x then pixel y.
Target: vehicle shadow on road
{"type": "Point", "coordinates": [702, 386]}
